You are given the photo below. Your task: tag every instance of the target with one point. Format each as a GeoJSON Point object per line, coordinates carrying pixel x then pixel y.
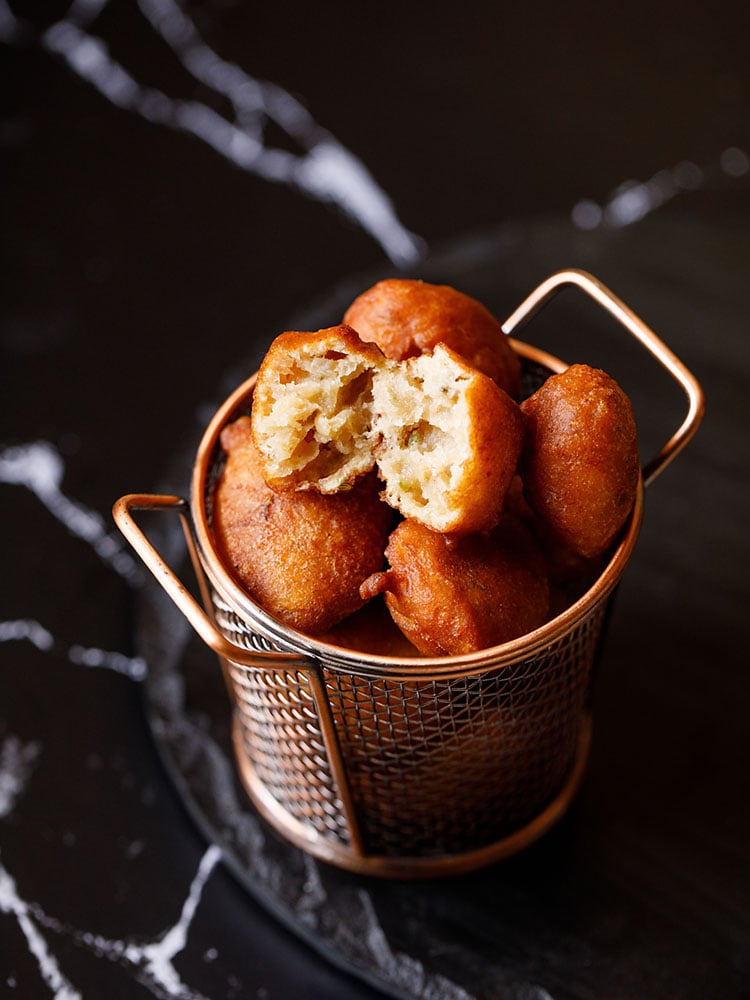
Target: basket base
{"type": "Point", "coordinates": [343, 856]}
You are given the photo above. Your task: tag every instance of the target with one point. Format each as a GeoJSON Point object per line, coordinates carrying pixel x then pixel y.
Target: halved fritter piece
{"type": "Point", "coordinates": [312, 409]}
{"type": "Point", "coordinates": [301, 555]}
{"type": "Point", "coordinates": [450, 441]}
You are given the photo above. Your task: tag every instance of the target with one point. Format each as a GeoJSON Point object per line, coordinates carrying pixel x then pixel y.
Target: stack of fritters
{"type": "Point", "coordinates": [383, 456]}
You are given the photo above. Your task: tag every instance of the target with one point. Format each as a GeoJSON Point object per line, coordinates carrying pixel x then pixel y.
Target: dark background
{"type": "Point", "coordinates": [140, 267]}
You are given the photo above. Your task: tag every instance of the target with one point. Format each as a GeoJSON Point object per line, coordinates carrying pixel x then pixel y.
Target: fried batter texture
{"type": "Point", "coordinates": [446, 439]}
{"type": "Point", "coordinates": [406, 318]}
{"type": "Point", "coordinates": [507, 510]}
{"type": "Point", "coordinates": [580, 463]}
{"type": "Point", "coordinates": [454, 597]}
{"type": "Point", "coordinates": [301, 555]}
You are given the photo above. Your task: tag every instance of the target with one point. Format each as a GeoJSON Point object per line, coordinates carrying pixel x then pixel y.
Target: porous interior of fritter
{"type": "Point", "coordinates": [317, 424]}
{"type": "Point", "coordinates": [422, 413]}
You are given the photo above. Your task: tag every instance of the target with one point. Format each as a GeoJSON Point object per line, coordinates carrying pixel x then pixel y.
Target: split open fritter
{"type": "Point", "coordinates": [446, 439]}
{"type": "Point", "coordinates": [300, 555]}
{"type": "Point", "coordinates": [312, 409]}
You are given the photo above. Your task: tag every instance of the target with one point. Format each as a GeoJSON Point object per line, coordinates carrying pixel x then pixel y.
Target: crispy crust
{"type": "Point", "coordinates": [508, 509]}
{"type": "Point", "coordinates": [457, 597]}
{"type": "Point", "coordinates": [406, 318]}
{"type": "Point", "coordinates": [301, 555]}
{"type": "Point", "coordinates": [580, 462]}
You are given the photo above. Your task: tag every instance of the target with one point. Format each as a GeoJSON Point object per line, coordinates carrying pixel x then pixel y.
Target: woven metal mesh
{"type": "Point", "coordinates": [433, 767]}
{"type": "Point", "coordinates": [446, 766]}
{"type": "Point", "coordinates": [281, 735]}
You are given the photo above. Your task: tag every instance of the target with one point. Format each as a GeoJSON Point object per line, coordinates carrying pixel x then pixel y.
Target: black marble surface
{"type": "Point", "coordinates": [148, 260]}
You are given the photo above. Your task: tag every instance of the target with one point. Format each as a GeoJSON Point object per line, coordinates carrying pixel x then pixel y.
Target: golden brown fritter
{"type": "Point", "coordinates": [445, 437]}
{"type": "Point", "coordinates": [580, 464]}
{"type": "Point", "coordinates": [405, 318]}
{"type": "Point", "coordinates": [301, 555]}
{"type": "Point", "coordinates": [453, 597]}
{"type": "Point", "coordinates": [312, 409]}
{"type": "Point", "coordinates": [451, 439]}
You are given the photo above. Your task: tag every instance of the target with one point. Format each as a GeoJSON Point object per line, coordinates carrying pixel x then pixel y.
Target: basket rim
{"type": "Point", "coordinates": [290, 640]}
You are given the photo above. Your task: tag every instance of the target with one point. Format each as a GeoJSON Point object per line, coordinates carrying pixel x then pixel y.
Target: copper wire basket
{"type": "Point", "coordinates": [406, 767]}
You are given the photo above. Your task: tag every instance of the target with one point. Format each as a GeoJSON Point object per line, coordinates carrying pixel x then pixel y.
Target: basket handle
{"type": "Point", "coordinates": [638, 329]}
{"type": "Point", "coordinates": [196, 616]}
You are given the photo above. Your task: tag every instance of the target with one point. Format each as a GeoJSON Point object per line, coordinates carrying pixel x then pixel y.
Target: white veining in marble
{"type": "Point", "coordinates": [11, 903]}
{"type": "Point", "coordinates": [633, 200]}
{"type": "Point", "coordinates": [16, 759]}
{"type": "Point", "coordinates": [156, 958]}
{"type": "Point", "coordinates": [324, 169]}
{"type": "Point", "coordinates": [313, 895]}
{"type": "Point", "coordinates": [403, 970]}
{"type": "Point", "coordinates": [151, 962]}
{"type": "Point", "coordinates": [39, 467]}
{"type": "Point", "coordinates": [154, 961]}
{"type": "Point", "coordinates": [133, 667]}
{"type": "Point", "coordinates": [26, 629]}
{"type": "Point", "coordinates": [16, 764]}
{"type": "Point", "coordinates": [29, 630]}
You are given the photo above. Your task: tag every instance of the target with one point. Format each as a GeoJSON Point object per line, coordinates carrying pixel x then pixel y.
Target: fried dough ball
{"type": "Point", "coordinates": [454, 597]}
{"type": "Point", "coordinates": [446, 438]}
{"type": "Point", "coordinates": [406, 318]}
{"type": "Point", "coordinates": [312, 409]}
{"type": "Point", "coordinates": [301, 555]}
{"type": "Point", "coordinates": [451, 439]}
{"type": "Point", "coordinates": [580, 464]}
